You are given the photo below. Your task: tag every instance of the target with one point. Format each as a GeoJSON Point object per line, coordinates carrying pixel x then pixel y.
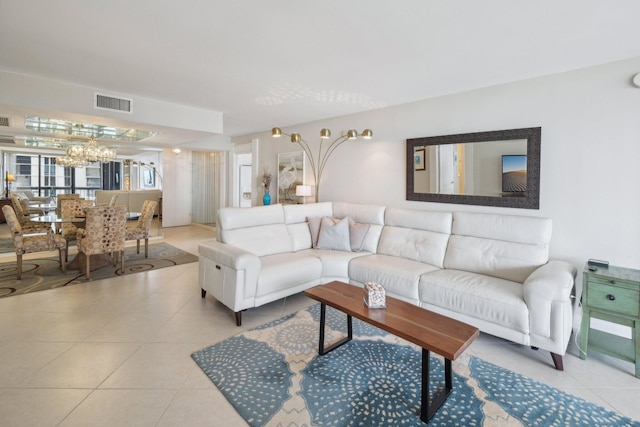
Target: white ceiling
{"type": "Point", "coordinates": [283, 62]}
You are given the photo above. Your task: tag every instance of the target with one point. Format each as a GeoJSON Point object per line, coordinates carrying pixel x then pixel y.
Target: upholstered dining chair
{"type": "Point", "coordinates": [143, 226]}
{"type": "Point", "coordinates": [30, 243]}
{"type": "Point", "coordinates": [23, 214]}
{"type": "Point", "coordinates": [104, 233]}
{"type": "Point", "coordinates": [22, 203]}
{"type": "Point", "coordinates": [72, 208]}
{"type": "Point", "coordinates": [61, 197]}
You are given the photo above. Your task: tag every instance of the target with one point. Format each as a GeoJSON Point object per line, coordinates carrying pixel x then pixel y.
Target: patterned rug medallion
{"type": "Point", "coordinates": [273, 376]}
{"type": "Point", "coordinates": [42, 274]}
{"type": "Point", "coordinates": [6, 245]}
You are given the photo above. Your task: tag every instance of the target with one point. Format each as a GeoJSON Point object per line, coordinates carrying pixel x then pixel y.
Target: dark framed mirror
{"type": "Point", "coordinates": [495, 168]}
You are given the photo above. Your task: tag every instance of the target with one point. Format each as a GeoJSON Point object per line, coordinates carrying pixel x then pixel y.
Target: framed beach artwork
{"type": "Point", "coordinates": [290, 174]}
{"type": "Point", "coordinates": [419, 160]}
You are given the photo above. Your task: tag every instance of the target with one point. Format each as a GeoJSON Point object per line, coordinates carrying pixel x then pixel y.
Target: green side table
{"type": "Point", "coordinates": [611, 294]}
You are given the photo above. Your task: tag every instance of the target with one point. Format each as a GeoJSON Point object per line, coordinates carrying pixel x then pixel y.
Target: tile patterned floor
{"type": "Point", "coordinates": [117, 352]}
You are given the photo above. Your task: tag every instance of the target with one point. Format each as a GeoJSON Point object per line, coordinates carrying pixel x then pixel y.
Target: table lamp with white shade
{"type": "Point", "coordinates": [8, 180]}
{"type": "Point", "coordinates": [303, 191]}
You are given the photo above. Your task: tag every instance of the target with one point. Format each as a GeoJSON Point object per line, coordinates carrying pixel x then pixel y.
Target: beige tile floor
{"type": "Point", "coordinates": [117, 352]}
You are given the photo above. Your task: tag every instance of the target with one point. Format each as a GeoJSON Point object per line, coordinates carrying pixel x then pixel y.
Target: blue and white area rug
{"type": "Point", "coordinates": [274, 376]}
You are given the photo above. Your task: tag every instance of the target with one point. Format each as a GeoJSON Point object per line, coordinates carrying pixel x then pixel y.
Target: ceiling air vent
{"type": "Point", "coordinates": [4, 139]}
{"type": "Point", "coordinates": [4, 121]}
{"type": "Point", "coordinates": [106, 102]}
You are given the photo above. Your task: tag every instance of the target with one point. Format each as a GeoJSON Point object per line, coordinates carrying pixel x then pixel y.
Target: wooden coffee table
{"type": "Point", "coordinates": [431, 331]}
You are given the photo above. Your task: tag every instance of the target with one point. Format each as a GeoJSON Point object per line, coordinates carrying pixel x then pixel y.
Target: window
{"type": "Point", "coordinates": [49, 172]}
{"type": "Point", "coordinates": [23, 171]}
{"type": "Point", "coordinates": [41, 174]}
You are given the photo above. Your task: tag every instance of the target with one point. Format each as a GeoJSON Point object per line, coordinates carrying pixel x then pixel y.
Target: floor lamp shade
{"type": "Point", "coordinates": [303, 190]}
{"type": "Point", "coordinates": [9, 178]}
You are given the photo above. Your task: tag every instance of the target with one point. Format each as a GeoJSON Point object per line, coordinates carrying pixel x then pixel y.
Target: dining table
{"type": "Point", "coordinates": [44, 207]}
{"type": "Point", "coordinates": [79, 262]}
{"type": "Point", "coordinates": [53, 218]}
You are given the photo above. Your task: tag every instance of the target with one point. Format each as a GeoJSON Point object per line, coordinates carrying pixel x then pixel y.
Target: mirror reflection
{"type": "Point", "coordinates": [496, 168]}
{"type": "Point", "coordinates": [492, 168]}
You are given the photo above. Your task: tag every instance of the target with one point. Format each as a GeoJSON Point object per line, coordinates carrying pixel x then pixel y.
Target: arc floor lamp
{"type": "Point", "coordinates": [324, 150]}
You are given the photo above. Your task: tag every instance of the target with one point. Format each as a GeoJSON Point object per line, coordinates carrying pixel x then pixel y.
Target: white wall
{"type": "Point", "coordinates": [590, 159]}
{"type": "Point", "coordinates": [176, 188]}
{"type": "Point", "coordinates": [32, 92]}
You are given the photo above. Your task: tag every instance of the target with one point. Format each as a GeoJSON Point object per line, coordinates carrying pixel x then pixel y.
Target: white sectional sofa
{"type": "Point", "coordinates": [489, 270]}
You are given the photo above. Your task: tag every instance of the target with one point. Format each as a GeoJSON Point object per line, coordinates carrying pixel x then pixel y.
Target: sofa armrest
{"type": "Point", "coordinates": [549, 284]}
{"type": "Point", "coordinates": [229, 273]}
{"type": "Point", "coordinates": [229, 255]}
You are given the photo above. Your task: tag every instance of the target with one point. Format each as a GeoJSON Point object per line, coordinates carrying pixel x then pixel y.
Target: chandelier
{"type": "Point", "coordinates": [324, 151]}
{"type": "Point", "coordinates": [80, 155]}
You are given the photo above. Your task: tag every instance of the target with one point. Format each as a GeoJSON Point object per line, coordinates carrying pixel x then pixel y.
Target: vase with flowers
{"type": "Point", "coordinates": [266, 182]}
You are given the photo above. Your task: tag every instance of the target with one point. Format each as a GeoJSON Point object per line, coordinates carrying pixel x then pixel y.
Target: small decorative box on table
{"type": "Point", "coordinates": [374, 295]}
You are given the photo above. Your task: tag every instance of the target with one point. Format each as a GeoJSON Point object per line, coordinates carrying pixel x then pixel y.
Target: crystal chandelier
{"type": "Point", "coordinates": [70, 162]}
{"type": "Point", "coordinates": [80, 155]}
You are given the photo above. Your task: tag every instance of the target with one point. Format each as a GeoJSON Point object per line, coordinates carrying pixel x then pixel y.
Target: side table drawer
{"type": "Point", "coordinates": [613, 298]}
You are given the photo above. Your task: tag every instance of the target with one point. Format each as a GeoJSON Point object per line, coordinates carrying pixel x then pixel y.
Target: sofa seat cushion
{"type": "Point", "coordinates": [488, 298]}
{"type": "Point", "coordinates": [286, 270]}
{"type": "Point", "coordinates": [399, 276]}
{"type": "Point", "coordinates": [335, 264]}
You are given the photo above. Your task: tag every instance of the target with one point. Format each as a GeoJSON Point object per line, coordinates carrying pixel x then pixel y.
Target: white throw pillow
{"type": "Point", "coordinates": [357, 233]}
{"type": "Point", "coordinates": [314, 229]}
{"type": "Point", "coordinates": [334, 235]}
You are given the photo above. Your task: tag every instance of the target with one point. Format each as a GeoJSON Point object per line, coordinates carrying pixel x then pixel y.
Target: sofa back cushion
{"type": "Point", "coordinates": [295, 218]}
{"type": "Point", "coordinates": [259, 230]}
{"type": "Point", "coordinates": [505, 246]}
{"type": "Point", "coordinates": [417, 235]}
{"type": "Point", "coordinates": [363, 214]}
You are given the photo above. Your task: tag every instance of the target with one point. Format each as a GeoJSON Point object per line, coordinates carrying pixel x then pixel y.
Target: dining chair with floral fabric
{"type": "Point", "coordinates": [143, 226]}
{"type": "Point", "coordinates": [23, 214]}
{"type": "Point", "coordinates": [104, 233]}
{"type": "Point", "coordinates": [72, 208]}
{"type": "Point", "coordinates": [29, 243]}
{"type": "Point", "coordinates": [59, 199]}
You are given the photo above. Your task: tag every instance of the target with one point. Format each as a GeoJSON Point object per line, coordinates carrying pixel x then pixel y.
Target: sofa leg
{"type": "Point", "coordinates": [203, 292]}
{"type": "Point", "coordinates": [239, 318]}
{"type": "Point", "coordinates": [557, 360]}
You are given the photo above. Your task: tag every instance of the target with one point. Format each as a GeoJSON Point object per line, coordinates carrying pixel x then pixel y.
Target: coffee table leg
{"type": "Point", "coordinates": [427, 411]}
{"type": "Point", "coordinates": [322, 350]}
